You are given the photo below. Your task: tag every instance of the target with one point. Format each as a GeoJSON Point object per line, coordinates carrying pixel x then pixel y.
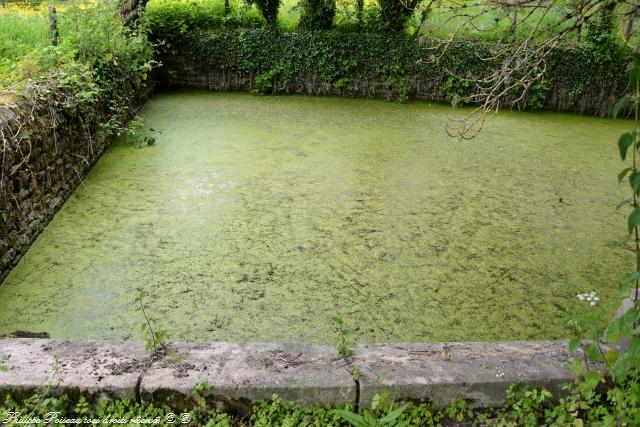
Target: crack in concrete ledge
{"type": "Point", "coordinates": [356, 405]}
{"type": "Point", "coordinates": [136, 390]}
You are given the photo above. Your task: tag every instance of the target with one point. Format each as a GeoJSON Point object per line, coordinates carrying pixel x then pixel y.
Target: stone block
{"type": "Point", "coordinates": [478, 372]}
{"type": "Point", "coordinates": [95, 368]}
{"type": "Point", "coordinates": [242, 374]}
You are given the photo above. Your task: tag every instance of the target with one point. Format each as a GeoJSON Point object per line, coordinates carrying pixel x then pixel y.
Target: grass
{"type": "Point", "coordinates": [23, 32]}
{"type": "Point", "coordinates": [87, 30]}
{"type": "Point", "coordinates": [490, 25]}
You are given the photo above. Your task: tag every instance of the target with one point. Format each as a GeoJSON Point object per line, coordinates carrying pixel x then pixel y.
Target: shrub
{"type": "Point", "coordinates": [317, 14]}
{"type": "Point", "coordinates": [178, 17]}
{"type": "Point", "coordinates": [97, 69]}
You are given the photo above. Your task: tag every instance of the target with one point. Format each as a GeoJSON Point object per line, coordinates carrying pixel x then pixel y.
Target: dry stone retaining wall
{"type": "Point", "coordinates": [45, 153]}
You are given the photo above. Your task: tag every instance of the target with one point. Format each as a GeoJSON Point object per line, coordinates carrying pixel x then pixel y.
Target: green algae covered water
{"type": "Point", "coordinates": [260, 218]}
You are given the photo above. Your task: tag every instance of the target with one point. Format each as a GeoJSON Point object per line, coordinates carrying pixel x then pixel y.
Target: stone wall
{"type": "Point", "coordinates": [181, 70]}
{"type": "Point", "coordinates": [45, 154]}
{"type": "Point", "coordinates": [185, 67]}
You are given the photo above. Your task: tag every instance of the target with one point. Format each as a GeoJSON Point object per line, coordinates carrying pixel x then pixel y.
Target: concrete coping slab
{"type": "Point", "coordinates": [94, 368]}
{"type": "Point", "coordinates": [241, 374]}
{"type": "Point", "coordinates": [478, 372]}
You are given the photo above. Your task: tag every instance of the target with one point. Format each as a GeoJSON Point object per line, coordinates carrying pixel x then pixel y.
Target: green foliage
{"type": "Point", "coordinates": [320, 56]}
{"type": "Point", "coordinates": [286, 62]}
{"type": "Point", "coordinates": [99, 38]}
{"type": "Point", "coordinates": [119, 58]}
{"type": "Point", "coordinates": [358, 17]}
{"type": "Point", "coordinates": [264, 81]}
{"type": "Point", "coordinates": [317, 14]}
{"type": "Point", "coordinates": [3, 366]}
{"type": "Point", "coordinates": [155, 339]}
{"type": "Point", "coordinates": [583, 405]}
{"type": "Point", "coordinates": [369, 419]}
{"type": "Point", "coordinates": [137, 133]}
{"type": "Point", "coordinates": [524, 407]}
{"type": "Point", "coordinates": [538, 94]}
{"type": "Point", "coordinates": [622, 366]}
{"type": "Point", "coordinates": [601, 29]}
{"type": "Point", "coordinates": [344, 338]}
{"type": "Point", "coordinates": [383, 413]}
{"type": "Point", "coordinates": [168, 19]}
{"type": "Point", "coordinates": [438, 20]}
{"type": "Point", "coordinates": [288, 414]}
{"type": "Point", "coordinates": [202, 415]}
{"type": "Point", "coordinates": [23, 36]}
{"type": "Point", "coordinates": [93, 78]}
{"type": "Point", "coordinates": [177, 17]}
{"type": "Point", "coordinates": [91, 34]}
{"type": "Point", "coordinates": [454, 89]}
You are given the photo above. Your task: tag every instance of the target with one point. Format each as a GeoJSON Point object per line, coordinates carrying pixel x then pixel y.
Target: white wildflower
{"type": "Point", "coordinates": [592, 298]}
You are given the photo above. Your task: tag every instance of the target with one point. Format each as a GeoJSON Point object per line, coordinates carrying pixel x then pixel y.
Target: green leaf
{"type": "Point", "coordinates": [617, 328]}
{"type": "Point", "coordinates": [635, 183]}
{"type": "Point", "coordinates": [593, 378]}
{"type": "Point", "coordinates": [623, 203]}
{"type": "Point", "coordinates": [622, 174]}
{"type": "Point", "coordinates": [630, 277]}
{"type": "Point", "coordinates": [574, 343]}
{"type": "Point", "coordinates": [630, 317]}
{"type": "Point", "coordinates": [621, 241]}
{"type": "Point", "coordinates": [392, 416]}
{"type": "Point", "coordinates": [634, 219]}
{"type": "Point", "coordinates": [592, 352]}
{"type": "Point", "coordinates": [351, 417]}
{"type": "Point", "coordinates": [611, 356]}
{"type": "Point", "coordinates": [577, 366]}
{"type": "Point", "coordinates": [619, 105]}
{"type": "Point", "coordinates": [634, 76]}
{"type": "Point", "coordinates": [370, 420]}
{"type": "Point", "coordinates": [377, 401]}
{"type": "Point", "coordinates": [624, 142]}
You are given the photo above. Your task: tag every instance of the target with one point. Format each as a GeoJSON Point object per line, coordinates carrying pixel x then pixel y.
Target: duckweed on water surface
{"type": "Point", "coordinates": [259, 218]}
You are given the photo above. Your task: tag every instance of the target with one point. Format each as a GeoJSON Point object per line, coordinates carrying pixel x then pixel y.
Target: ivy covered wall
{"type": "Point", "coordinates": [582, 78]}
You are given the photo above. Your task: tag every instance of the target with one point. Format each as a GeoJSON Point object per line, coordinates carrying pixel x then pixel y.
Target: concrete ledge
{"type": "Point", "coordinates": [242, 374]}
{"type": "Point", "coordinates": [477, 372]}
{"type": "Point", "coordinates": [95, 368]}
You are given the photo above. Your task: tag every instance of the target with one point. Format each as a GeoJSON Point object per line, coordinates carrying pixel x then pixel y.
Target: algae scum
{"type": "Point", "coordinates": [259, 218]}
